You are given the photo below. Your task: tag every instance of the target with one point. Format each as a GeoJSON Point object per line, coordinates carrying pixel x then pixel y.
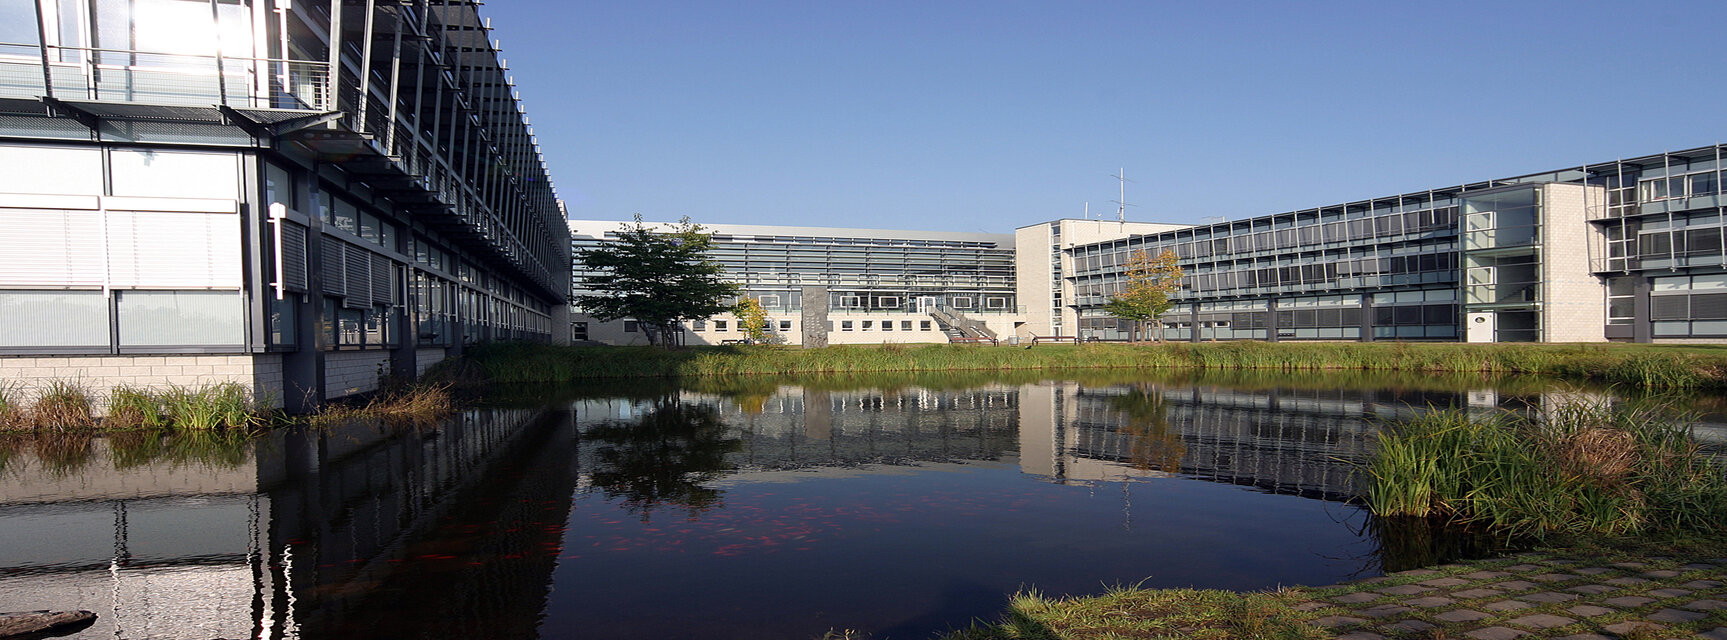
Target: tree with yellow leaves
{"type": "Point", "coordinates": [752, 319]}
{"type": "Point", "coordinates": [1146, 294]}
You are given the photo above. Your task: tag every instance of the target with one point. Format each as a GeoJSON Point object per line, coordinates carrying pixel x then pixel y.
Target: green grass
{"type": "Point", "coordinates": [1581, 468]}
{"type": "Point", "coordinates": [1148, 613]}
{"type": "Point", "coordinates": [134, 408]}
{"type": "Point", "coordinates": [64, 405]}
{"type": "Point", "coordinates": [217, 406]}
{"type": "Point", "coordinates": [1632, 366]}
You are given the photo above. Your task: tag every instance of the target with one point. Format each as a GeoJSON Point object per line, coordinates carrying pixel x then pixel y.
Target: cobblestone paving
{"type": "Point", "coordinates": [1531, 596]}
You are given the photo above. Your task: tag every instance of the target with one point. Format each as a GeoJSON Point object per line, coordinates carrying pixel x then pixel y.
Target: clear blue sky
{"type": "Point", "coordinates": [985, 116]}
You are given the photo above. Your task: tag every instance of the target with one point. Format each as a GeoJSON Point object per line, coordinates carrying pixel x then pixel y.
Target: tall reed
{"type": "Point", "coordinates": [63, 405]}
{"type": "Point", "coordinates": [215, 406]}
{"type": "Point", "coordinates": [1580, 468]}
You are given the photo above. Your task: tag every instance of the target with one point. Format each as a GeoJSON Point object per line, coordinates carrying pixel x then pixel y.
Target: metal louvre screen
{"type": "Point", "coordinates": [1708, 306]}
{"type": "Point", "coordinates": [334, 283]}
{"type": "Point", "coordinates": [359, 268]}
{"type": "Point", "coordinates": [293, 256]}
{"type": "Point", "coordinates": [1670, 307]}
{"type": "Point", "coordinates": [382, 269]}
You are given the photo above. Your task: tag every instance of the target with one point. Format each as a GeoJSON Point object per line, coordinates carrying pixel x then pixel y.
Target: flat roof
{"type": "Point", "coordinates": [1004, 240]}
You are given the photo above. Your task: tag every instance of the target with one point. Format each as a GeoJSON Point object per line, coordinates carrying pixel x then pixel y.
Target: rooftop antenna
{"type": "Point", "coordinates": [1121, 212]}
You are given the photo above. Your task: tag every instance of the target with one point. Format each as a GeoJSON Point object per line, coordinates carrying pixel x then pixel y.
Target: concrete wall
{"type": "Point", "coordinates": [1574, 301]}
{"type": "Point", "coordinates": [349, 372]}
{"type": "Point", "coordinates": [99, 374]}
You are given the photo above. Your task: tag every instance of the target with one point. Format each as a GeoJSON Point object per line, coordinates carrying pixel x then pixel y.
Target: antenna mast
{"type": "Point", "coordinates": [1121, 211]}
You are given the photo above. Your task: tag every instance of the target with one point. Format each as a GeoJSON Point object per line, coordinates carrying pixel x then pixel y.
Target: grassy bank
{"type": "Point", "coordinates": [1644, 366]}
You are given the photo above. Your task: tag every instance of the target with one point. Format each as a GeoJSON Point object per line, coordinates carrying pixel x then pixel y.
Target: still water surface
{"type": "Point", "coordinates": [764, 509]}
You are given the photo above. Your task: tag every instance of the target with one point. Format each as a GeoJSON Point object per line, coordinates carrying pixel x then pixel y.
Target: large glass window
{"type": "Point", "coordinates": [53, 319]}
{"type": "Point", "coordinates": [180, 318]}
{"type": "Point", "coordinates": [174, 174]}
{"type": "Point", "coordinates": [54, 170]}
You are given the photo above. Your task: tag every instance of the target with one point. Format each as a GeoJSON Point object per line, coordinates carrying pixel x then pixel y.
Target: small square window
{"type": "Point", "coordinates": [923, 325]}
{"type": "Point", "coordinates": [719, 325]}
{"type": "Point", "coordinates": [867, 324]}
{"type": "Point", "coordinates": [785, 325]}
{"type": "Point", "coordinates": [631, 326]}
{"type": "Point", "coordinates": [845, 325]}
{"type": "Point", "coordinates": [905, 325]}
{"type": "Point", "coordinates": [961, 302]}
{"type": "Point", "coordinates": [699, 325]}
{"type": "Point", "coordinates": [887, 325]}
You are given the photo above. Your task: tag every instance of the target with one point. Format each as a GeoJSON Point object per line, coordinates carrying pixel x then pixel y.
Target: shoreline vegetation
{"type": "Point", "coordinates": [1628, 365]}
{"type": "Point", "coordinates": [68, 407]}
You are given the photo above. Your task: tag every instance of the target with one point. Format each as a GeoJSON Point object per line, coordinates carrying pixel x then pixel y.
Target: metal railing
{"type": "Point", "coordinates": [86, 73]}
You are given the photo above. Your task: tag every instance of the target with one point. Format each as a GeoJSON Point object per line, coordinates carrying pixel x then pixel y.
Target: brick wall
{"type": "Point", "coordinates": [99, 374]}
{"type": "Point", "coordinates": [1574, 302]}
{"type": "Point", "coordinates": [426, 357]}
{"type": "Point", "coordinates": [349, 372]}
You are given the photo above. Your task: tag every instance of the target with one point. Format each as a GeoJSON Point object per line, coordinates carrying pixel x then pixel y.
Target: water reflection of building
{"type": "Point", "coordinates": [1297, 441]}
{"type": "Point", "coordinates": [803, 427]}
{"type": "Point", "coordinates": [293, 537]}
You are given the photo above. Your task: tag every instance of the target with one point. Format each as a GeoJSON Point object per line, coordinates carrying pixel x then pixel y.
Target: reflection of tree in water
{"type": "Point", "coordinates": [664, 457]}
{"type": "Point", "coordinates": [1154, 446]}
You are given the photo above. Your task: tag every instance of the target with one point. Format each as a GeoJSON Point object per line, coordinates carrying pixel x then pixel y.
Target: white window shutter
{"type": "Point", "coordinates": [151, 249]}
{"type": "Point", "coordinates": [50, 247]}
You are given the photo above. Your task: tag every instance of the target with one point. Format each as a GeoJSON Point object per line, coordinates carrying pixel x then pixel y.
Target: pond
{"type": "Point", "coordinates": [761, 508]}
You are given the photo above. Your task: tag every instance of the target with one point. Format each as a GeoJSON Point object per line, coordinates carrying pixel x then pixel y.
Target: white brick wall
{"type": "Point", "coordinates": [261, 373]}
{"type": "Point", "coordinates": [1574, 303]}
{"type": "Point", "coordinates": [349, 372]}
{"type": "Point", "coordinates": [427, 357]}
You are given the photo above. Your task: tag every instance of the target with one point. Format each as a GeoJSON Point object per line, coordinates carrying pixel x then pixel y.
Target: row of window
{"type": "Point", "coordinates": [1313, 235]}
{"type": "Point", "coordinates": [1705, 183]}
{"type": "Point", "coordinates": [886, 325]}
{"type": "Point", "coordinates": [129, 319]}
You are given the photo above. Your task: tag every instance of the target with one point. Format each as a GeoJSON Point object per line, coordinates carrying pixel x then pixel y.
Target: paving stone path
{"type": "Point", "coordinates": [1531, 596]}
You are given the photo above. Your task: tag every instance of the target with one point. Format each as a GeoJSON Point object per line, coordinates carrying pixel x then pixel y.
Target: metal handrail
{"type": "Point", "coordinates": [98, 73]}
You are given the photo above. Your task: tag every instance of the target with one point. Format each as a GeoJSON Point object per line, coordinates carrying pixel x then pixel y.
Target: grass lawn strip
{"type": "Point", "coordinates": [1588, 591]}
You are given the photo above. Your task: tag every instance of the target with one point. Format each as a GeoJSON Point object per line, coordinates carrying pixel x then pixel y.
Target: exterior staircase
{"type": "Point", "coordinates": [960, 328]}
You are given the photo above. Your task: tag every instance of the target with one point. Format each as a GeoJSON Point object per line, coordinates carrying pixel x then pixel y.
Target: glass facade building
{"type": "Point", "coordinates": [1629, 250]}
{"type": "Point", "coordinates": [875, 285]}
{"type": "Point", "coordinates": [296, 196]}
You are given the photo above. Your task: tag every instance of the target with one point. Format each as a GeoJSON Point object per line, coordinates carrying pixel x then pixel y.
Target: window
{"type": "Point", "coordinates": [851, 301]}
{"type": "Point", "coordinates": [283, 328]}
{"type": "Point", "coordinates": [905, 325]}
{"type": "Point", "coordinates": [867, 324]}
{"type": "Point", "coordinates": [887, 302]}
{"type": "Point", "coordinates": [845, 325]}
{"type": "Point", "coordinates": [785, 325]}
{"type": "Point", "coordinates": [923, 325]}
{"type": "Point", "coordinates": [719, 325]}
{"type": "Point", "coordinates": [174, 174]}
{"type": "Point", "coordinates": [53, 319]}
{"type": "Point", "coordinates": [631, 326]}
{"type": "Point", "coordinates": [699, 325]}
{"type": "Point", "coordinates": [347, 216]}
{"type": "Point", "coordinates": [180, 318]}
{"type": "Point", "coordinates": [995, 303]}
{"type": "Point", "coordinates": [54, 170]}
{"type": "Point", "coordinates": [961, 302]}
{"type": "Point", "coordinates": [887, 325]}
{"type": "Point", "coordinates": [770, 300]}
{"type": "Point", "coordinates": [578, 331]}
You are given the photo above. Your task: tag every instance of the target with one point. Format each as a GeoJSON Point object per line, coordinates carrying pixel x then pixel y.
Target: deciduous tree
{"type": "Point", "coordinates": [752, 320]}
{"type": "Point", "coordinates": [1145, 295]}
{"type": "Point", "coordinates": [659, 277]}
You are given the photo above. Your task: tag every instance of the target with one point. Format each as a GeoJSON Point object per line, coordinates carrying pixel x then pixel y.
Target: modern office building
{"type": "Point", "coordinates": [1628, 250]}
{"type": "Point", "coordinates": [298, 196]}
{"type": "Point", "coordinates": [824, 285]}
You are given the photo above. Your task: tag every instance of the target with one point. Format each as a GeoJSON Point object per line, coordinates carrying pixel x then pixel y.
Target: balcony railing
{"type": "Point", "coordinates": [81, 73]}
